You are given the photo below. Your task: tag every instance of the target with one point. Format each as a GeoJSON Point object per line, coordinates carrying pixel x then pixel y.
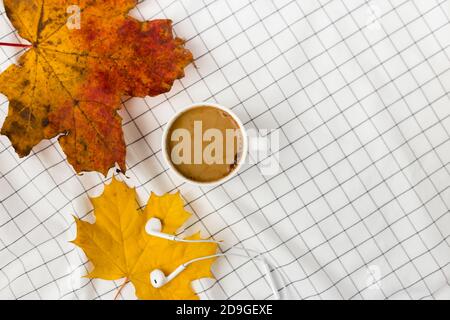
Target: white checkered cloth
{"type": "Point", "coordinates": [360, 210]}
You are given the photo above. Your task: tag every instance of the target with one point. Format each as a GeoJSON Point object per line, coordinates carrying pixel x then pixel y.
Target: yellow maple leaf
{"type": "Point", "coordinates": [119, 247]}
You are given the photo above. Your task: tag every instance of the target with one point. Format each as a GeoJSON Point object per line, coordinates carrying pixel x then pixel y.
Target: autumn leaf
{"type": "Point", "coordinates": [70, 82]}
{"type": "Point", "coordinates": [119, 247]}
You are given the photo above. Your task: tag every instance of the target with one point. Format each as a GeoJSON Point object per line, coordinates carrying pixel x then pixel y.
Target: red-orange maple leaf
{"type": "Point", "coordinates": [70, 82]}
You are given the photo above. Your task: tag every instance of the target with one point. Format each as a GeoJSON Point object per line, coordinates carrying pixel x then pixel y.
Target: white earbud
{"type": "Point", "coordinates": [159, 279]}
{"type": "Point", "coordinates": [154, 228]}
{"type": "Point", "coordinates": [153, 225]}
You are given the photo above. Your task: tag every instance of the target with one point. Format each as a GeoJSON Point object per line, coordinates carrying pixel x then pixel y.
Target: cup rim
{"type": "Point", "coordinates": [245, 146]}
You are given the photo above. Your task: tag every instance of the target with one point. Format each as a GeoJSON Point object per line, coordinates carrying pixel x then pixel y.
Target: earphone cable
{"type": "Point", "coordinates": [283, 276]}
{"type": "Point", "coordinates": [196, 241]}
{"type": "Point", "coordinates": [266, 266]}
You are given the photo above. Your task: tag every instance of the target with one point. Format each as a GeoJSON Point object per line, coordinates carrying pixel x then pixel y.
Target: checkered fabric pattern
{"type": "Point", "coordinates": [360, 208]}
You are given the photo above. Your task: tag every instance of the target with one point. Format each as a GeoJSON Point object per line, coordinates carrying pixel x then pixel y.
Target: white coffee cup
{"type": "Point", "coordinates": [242, 155]}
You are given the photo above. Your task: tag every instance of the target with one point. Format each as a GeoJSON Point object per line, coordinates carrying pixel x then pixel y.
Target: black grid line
{"type": "Point", "coordinates": [332, 223]}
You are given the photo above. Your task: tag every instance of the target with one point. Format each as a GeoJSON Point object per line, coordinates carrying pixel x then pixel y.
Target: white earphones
{"type": "Point", "coordinates": [154, 227]}
{"type": "Point", "coordinates": [157, 277]}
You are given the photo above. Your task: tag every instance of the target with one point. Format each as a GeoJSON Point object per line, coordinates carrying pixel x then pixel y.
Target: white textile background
{"type": "Point", "coordinates": [360, 210]}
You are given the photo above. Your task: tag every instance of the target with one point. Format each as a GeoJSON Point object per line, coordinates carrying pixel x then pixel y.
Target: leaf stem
{"type": "Point", "coordinates": [121, 288]}
{"type": "Point", "coordinates": [7, 44]}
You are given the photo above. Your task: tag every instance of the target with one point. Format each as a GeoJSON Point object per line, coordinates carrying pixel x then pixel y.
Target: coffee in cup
{"type": "Point", "coordinates": [205, 144]}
